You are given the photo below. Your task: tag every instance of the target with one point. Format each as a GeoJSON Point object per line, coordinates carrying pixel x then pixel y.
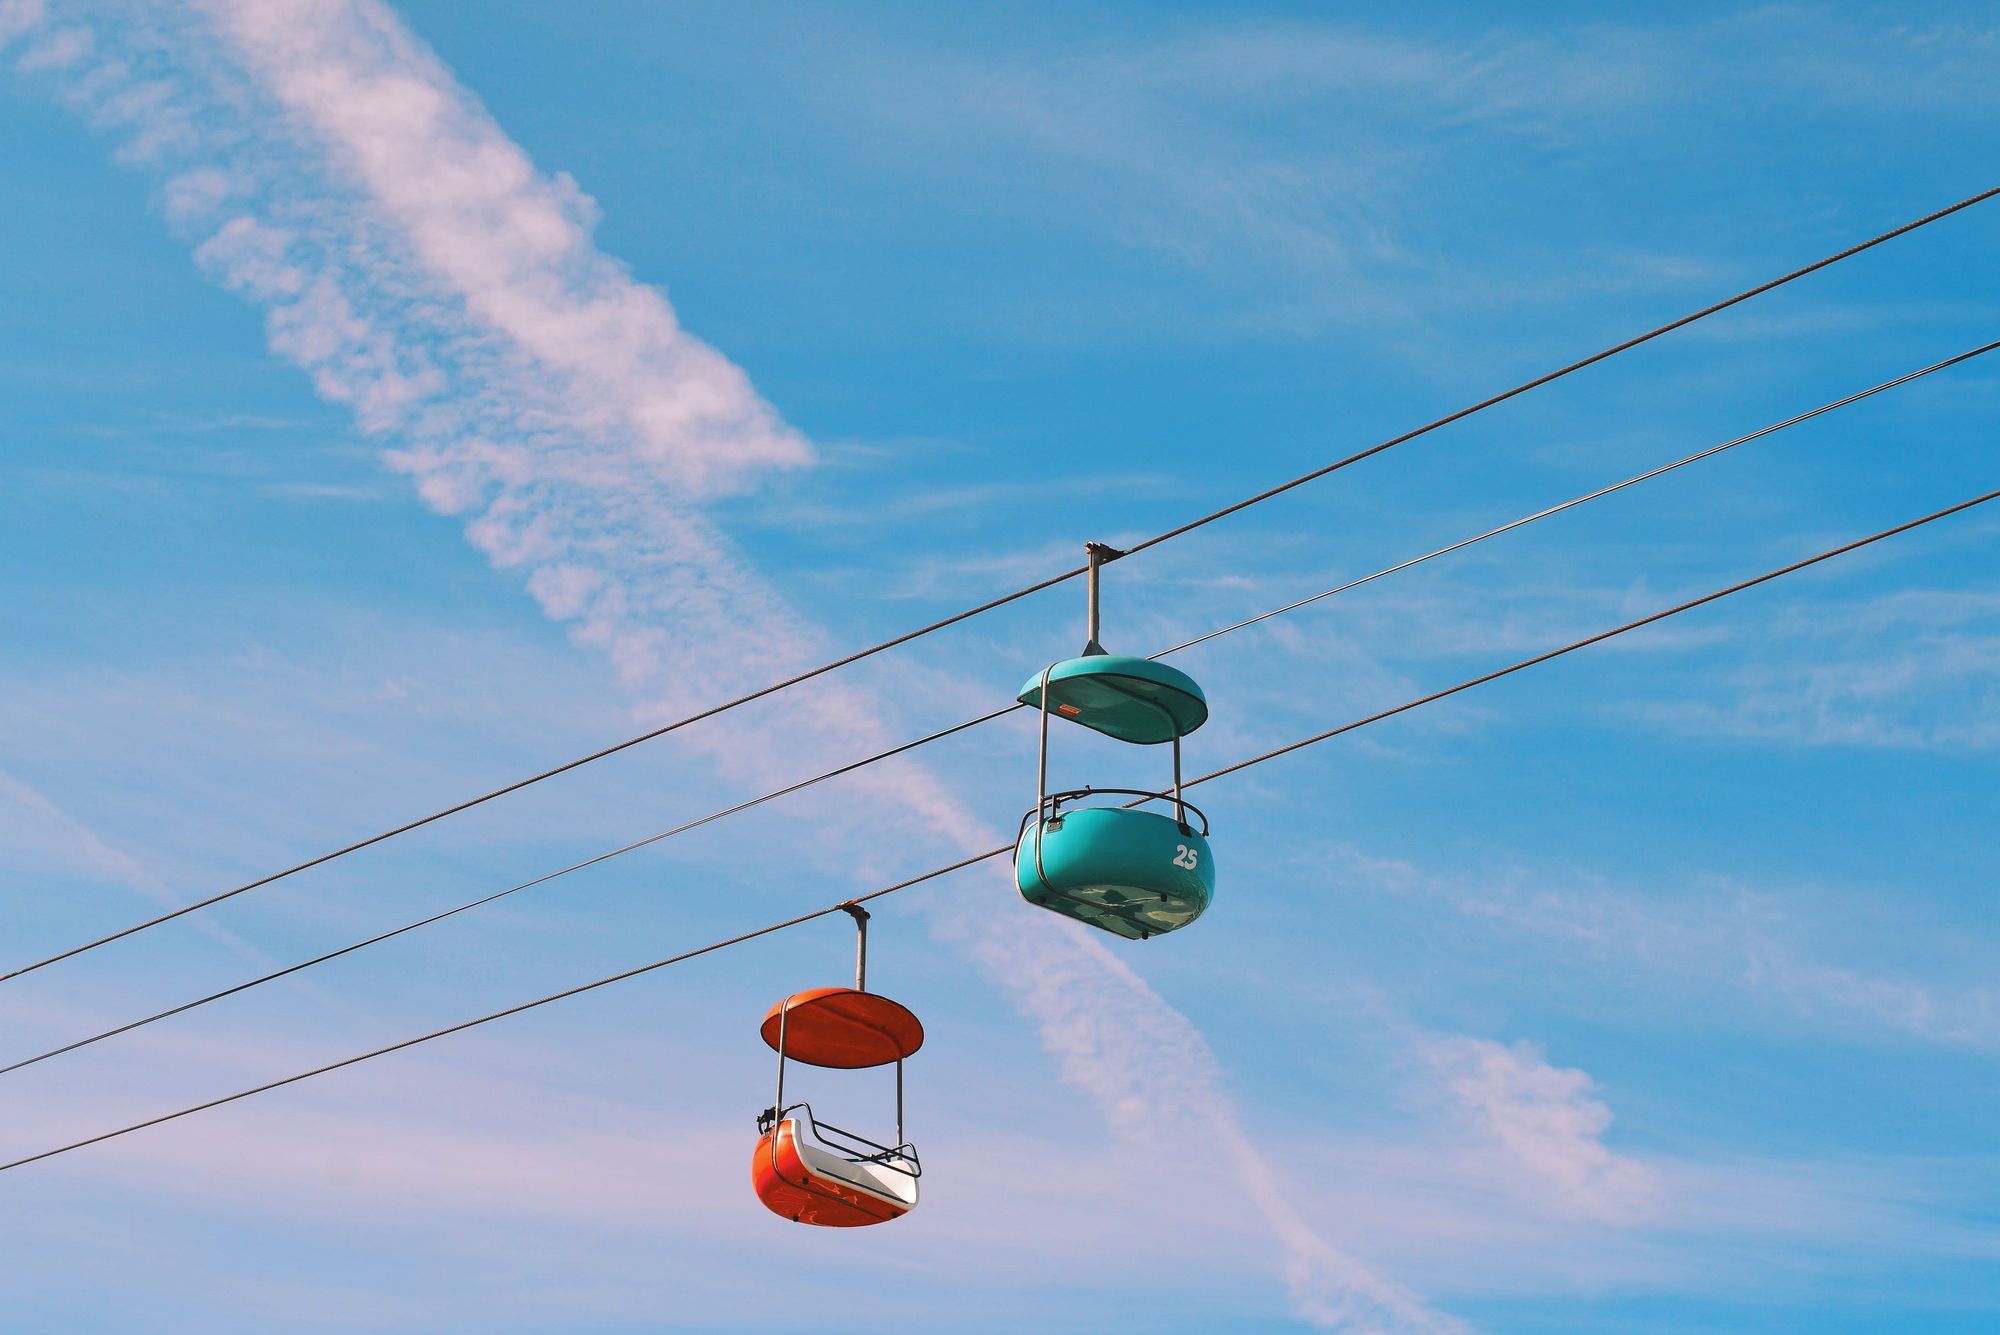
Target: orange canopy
{"type": "Point", "coordinates": [840, 1027]}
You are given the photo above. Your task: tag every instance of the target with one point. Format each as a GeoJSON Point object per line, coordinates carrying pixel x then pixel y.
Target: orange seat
{"type": "Point", "coordinates": [809, 1185]}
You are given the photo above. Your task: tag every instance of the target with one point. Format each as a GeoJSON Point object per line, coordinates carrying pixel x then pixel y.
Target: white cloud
{"type": "Point", "coordinates": [1718, 938]}
{"type": "Point", "coordinates": [1912, 670]}
{"type": "Point", "coordinates": [1549, 1120]}
{"type": "Point", "coordinates": [18, 17]}
{"type": "Point", "coordinates": [1451, 1211]}
{"type": "Point", "coordinates": [510, 245]}
{"type": "Point", "coordinates": [1200, 144]}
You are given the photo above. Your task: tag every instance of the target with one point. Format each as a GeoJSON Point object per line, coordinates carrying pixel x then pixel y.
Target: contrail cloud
{"type": "Point", "coordinates": [411, 259]}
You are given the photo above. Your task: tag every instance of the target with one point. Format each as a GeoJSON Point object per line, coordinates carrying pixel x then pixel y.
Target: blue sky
{"type": "Point", "coordinates": [401, 400]}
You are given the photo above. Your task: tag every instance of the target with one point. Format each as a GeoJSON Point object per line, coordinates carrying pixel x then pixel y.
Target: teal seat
{"type": "Point", "coordinates": [1132, 699]}
{"type": "Point", "coordinates": [1133, 873]}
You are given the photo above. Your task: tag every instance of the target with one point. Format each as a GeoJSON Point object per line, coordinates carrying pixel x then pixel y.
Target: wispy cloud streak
{"type": "Point", "coordinates": [38, 835]}
{"type": "Point", "coordinates": [35, 831]}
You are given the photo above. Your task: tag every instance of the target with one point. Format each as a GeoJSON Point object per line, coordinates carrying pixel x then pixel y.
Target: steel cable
{"type": "Point", "coordinates": [988, 717]}
{"type": "Point", "coordinates": [962, 863]}
{"type": "Point", "coordinates": [1003, 600]}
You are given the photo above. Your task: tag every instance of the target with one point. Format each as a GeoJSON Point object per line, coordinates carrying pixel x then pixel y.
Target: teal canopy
{"type": "Point", "coordinates": [1132, 699]}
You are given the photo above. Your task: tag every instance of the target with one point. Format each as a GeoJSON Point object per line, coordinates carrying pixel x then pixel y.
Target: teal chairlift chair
{"type": "Point", "coordinates": [1132, 872]}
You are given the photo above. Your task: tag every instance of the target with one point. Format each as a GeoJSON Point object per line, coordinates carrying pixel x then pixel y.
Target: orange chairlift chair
{"type": "Point", "coordinates": [812, 1172]}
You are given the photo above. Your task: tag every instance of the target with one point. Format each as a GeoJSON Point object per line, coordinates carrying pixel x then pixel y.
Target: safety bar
{"type": "Point", "coordinates": [857, 1146]}
{"type": "Point", "coordinates": [1052, 803]}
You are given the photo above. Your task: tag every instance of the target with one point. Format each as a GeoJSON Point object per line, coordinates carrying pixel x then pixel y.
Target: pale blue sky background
{"type": "Point", "coordinates": [1649, 991]}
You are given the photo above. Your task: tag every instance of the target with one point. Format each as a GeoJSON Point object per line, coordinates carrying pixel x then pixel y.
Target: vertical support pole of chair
{"type": "Point", "coordinates": [1042, 778]}
{"type": "Point", "coordinates": [860, 916]}
{"type": "Point", "coordinates": [899, 1103]}
{"type": "Point", "coordinates": [783, 1011]}
{"type": "Point", "coordinates": [1042, 760]}
{"type": "Point", "coordinates": [1180, 812]}
{"type": "Point", "coordinates": [1097, 553]}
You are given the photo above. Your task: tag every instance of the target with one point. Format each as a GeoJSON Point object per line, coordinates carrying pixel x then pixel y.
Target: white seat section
{"type": "Point", "coordinates": [884, 1184]}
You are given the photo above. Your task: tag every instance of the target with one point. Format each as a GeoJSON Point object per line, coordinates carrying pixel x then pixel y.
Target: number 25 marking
{"type": "Point", "coordinates": [1185, 856]}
